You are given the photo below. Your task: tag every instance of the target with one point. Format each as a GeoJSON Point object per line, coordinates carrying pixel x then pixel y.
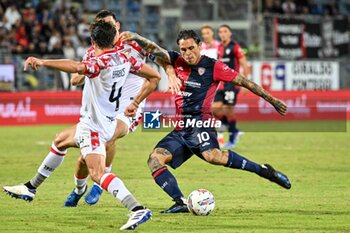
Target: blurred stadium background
{"type": "Point", "coordinates": [298, 48]}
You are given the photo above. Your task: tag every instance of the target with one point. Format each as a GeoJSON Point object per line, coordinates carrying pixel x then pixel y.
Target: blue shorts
{"type": "Point", "coordinates": [182, 144]}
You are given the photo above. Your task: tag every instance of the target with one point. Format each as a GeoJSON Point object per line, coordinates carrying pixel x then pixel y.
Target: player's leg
{"type": "Point", "coordinates": [233, 160]}
{"type": "Point", "coordinates": [230, 101]}
{"type": "Point", "coordinates": [231, 126]}
{"type": "Point", "coordinates": [81, 175]}
{"type": "Point", "coordinates": [95, 192]}
{"type": "Point", "coordinates": [219, 113]}
{"type": "Point", "coordinates": [52, 161]}
{"type": "Point", "coordinates": [115, 186]}
{"type": "Point", "coordinates": [169, 151]}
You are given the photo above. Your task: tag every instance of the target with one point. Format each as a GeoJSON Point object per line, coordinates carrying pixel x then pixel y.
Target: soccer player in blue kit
{"type": "Point", "coordinates": [200, 76]}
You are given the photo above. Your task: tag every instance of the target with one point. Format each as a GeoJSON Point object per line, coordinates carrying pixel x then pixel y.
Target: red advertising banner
{"type": "Point", "coordinates": [31, 108]}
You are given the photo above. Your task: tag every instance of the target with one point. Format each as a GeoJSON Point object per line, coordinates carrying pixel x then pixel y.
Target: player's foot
{"type": "Point", "coordinates": [136, 218]}
{"type": "Point", "coordinates": [221, 139]}
{"type": "Point", "coordinates": [180, 206]}
{"type": "Point", "coordinates": [229, 145]}
{"type": "Point", "coordinates": [73, 198]}
{"type": "Point", "coordinates": [20, 191]}
{"type": "Point", "coordinates": [233, 144]}
{"type": "Point", "coordinates": [94, 195]}
{"type": "Point", "coordinates": [237, 136]}
{"type": "Point", "coordinates": [277, 177]}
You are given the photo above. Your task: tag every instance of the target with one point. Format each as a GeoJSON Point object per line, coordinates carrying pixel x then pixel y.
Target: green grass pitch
{"type": "Point", "coordinates": [318, 165]}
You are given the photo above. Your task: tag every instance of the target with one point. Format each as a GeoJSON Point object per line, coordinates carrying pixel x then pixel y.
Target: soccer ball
{"type": "Point", "coordinates": [200, 202]}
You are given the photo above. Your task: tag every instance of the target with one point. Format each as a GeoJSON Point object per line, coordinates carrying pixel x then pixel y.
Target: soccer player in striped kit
{"type": "Point", "coordinates": [104, 73]}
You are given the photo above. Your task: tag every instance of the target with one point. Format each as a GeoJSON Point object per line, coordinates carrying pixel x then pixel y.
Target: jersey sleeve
{"type": "Point", "coordinates": [138, 48]}
{"type": "Point", "coordinates": [94, 65]}
{"type": "Point", "coordinates": [238, 52]}
{"type": "Point", "coordinates": [223, 73]}
{"type": "Point", "coordinates": [92, 68]}
{"type": "Point", "coordinates": [173, 56]}
{"type": "Point", "coordinates": [136, 65]}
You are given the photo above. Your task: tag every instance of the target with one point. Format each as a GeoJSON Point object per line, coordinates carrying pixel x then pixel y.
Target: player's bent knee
{"type": "Point", "coordinates": [59, 141]}
{"type": "Point", "coordinates": [155, 162]}
{"type": "Point", "coordinates": [96, 175]}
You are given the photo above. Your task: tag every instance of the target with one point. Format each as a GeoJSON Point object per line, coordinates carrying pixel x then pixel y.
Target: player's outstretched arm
{"type": "Point", "coordinates": [175, 83]}
{"type": "Point", "coordinates": [150, 85]}
{"type": "Point", "coordinates": [279, 105]}
{"type": "Point", "coordinates": [65, 65]}
{"type": "Point", "coordinates": [147, 45]}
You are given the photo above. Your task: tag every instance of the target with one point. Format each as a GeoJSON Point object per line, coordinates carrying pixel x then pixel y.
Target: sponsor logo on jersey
{"type": "Point", "coordinates": [180, 68]}
{"type": "Point", "coordinates": [184, 93]}
{"type": "Point", "coordinates": [201, 71]}
{"type": "Point", "coordinates": [193, 84]}
{"type": "Point", "coordinates": [151, 120]}
{"type": "Point", "coordinates": [118, 73]}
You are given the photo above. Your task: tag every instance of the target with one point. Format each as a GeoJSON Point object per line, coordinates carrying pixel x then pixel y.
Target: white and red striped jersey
{"type": "Point", "coordinates": [210, 50]}
{"type": "Point", "coordinates": [133, 82]}
{"type": "Point", "coordinates": [104, 78]}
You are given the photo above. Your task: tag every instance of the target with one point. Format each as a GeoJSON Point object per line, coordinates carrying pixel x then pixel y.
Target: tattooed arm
{"type": "Point", "coordinates": [174, 84]}
{"type": "Point", "coordinates": [147, 45]}
{"type": "Point", "coordinates": [279, 105]}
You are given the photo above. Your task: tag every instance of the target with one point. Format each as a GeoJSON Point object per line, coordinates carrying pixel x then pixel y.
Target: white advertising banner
{"type": "Point", "coordinates": [7, 77]}
{"type": "Point", "coordinates": [296, 75]}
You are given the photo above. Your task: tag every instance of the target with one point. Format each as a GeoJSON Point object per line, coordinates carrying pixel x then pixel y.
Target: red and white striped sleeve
{"type": "Point", "coordinates": [136, 64]}
{"type": "Point", "coordinates": [94, 65]}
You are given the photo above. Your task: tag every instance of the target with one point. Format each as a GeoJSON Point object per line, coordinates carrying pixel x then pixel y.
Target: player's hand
{"type": "Point", "coordinates": [33, 62]}
{"type": "Point", "coordinates": [128, 36]}
{"type": "Point", "coordinates": [280, 106]}
{"type": "Point", "coordinates": [174, 84]}
{"type": "Point", "coordinates": [131, 110]}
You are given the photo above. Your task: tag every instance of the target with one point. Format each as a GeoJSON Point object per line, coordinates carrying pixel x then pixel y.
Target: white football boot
{"type": "Point", "coordinates": [136, 218]}
{"type": "Point", "coordinates": [20, 191]}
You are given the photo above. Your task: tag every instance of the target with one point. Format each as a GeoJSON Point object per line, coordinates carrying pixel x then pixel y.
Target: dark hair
{"type": "Point", "coordinates": [187, 34]}
{"type": "Point", "coordinates": [104, 13]}
{"type": "Point", "coordinates": [103, 34]}
{"type": "Point", "coordinates": [226, 26]}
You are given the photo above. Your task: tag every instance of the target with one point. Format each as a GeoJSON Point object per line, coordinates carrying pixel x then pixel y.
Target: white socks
{"type": "Point", "coordinates": [114, 185]}
{"type": "Point", "coordinates": [52, 161]}
{"type": "Point", "coordinates": [80, 184]}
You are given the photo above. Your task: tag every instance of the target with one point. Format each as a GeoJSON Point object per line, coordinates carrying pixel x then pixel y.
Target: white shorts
{"type": "Point", "coordinates": [131, 122]}
{"type": "Point", "coordinates": [88, 141]}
